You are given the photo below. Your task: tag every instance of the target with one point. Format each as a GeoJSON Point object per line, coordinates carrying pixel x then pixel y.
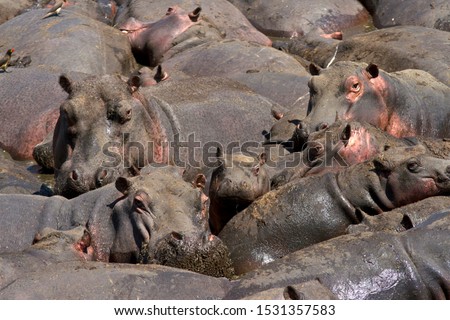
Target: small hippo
{"type": "Point", "coordinates": [151, 40]}
{"type": "Point", "coordinates": [405, 103]}
{"type": "Point", "coordinates": [134, 221]}
{"type": "Point", "coordinates": [413, 264]}
{"type": "Point", "coordinates": [318, 208]}
{"type": "Point", "coordinates": [235, 184]}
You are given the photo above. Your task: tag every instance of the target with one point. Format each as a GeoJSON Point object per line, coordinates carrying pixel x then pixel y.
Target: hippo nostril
{"type": "Point", "coordinates": [177, 236]}
{"type": "Point", "coordinates": [448, 170]}
{"type": "Point", "coordinates": [74, 175]}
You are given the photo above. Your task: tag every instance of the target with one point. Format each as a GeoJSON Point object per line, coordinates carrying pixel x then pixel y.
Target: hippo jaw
{"type": "Point", "coordinates": [204, 253]}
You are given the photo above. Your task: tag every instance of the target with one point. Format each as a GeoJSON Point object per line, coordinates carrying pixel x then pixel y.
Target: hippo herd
{"type": "Point", "coordinates": [221, 150]}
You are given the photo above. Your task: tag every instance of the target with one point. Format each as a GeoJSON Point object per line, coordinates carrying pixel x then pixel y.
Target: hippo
{"type": "Point", "coordinates": [53, 47]}
{"type": "Point", "coordinates": [294, 18]}
{"type": "Point", "coordinates": [109, 128]}
{"type": "Point", "coordinates": [343, 144]}
{"type": "Point", "coordinates": [11, 8]}
{"type": "Point", "coordinates": [126, 222]}
{"type": "Point", "coordinates": [58, 259]}
{"type": "Point", "coordinates": [150, 41]}
{"type": "Point", "coordinates": [236, 182]}
{"type": "Point", "coordinates": [413, 264]}
{"type": "Point", "coordinates": [406, 103]}
{"type": "Point", "coordinates": [317, 208]}
{"type": "Point", "coordinates": [228, 20]}
{"type": "Point", "coordinates": [388, 13]}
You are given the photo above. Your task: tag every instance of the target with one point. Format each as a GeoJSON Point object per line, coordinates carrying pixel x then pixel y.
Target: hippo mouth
{"type": "Point", "coordinates": [206, 255]}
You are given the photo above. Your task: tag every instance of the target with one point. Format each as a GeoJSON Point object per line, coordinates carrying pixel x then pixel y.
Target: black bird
{"type": "Point", "coordinates": [56, 9]}
{"type": "Point", "coordinates": [5, 60]}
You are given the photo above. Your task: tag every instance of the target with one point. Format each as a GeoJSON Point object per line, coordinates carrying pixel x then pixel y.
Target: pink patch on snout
{"type": "Point", "coordinates": [419, 191]}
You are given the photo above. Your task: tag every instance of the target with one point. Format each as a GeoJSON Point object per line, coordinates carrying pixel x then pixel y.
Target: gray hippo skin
{"type": "Point", "coordinates": [150, 41]}
{"type": "Point", "coordinates": [317, 208]}
{"type": "Point", "coordinates": [145, 220]}
{"type": "Point", "coordinates": [343, 144]}
{"type": "Point", "coordinates": [235, 184]}
{"type": "Point", "coordinates": [414, 264]}
{"type": "Point", "coordinates": [58, 260]}
{"type": "Point", "coordinates": [109, 128]}
{"type": "Point", "coordinates": [405, 103]}
{"type": "Point", "coordinates": [230, 22]}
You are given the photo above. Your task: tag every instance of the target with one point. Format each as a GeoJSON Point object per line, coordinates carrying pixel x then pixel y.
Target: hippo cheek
{"type": "Point", "coordinates": [204, 253]}
{"type": "Point", "coordinates": [406, 194]}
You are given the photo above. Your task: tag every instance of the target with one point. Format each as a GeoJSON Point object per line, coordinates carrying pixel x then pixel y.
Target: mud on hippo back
{"type": "Point", "coordinates": [405, 103]}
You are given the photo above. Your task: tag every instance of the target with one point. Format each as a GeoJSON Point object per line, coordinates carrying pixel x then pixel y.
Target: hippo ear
{"type": "Point", "coordinates": [262, 158]}
{"type": "Point", "coordinates": [372, 69]}
{"type": "Point", "coordinates": [134, 83]}
{"type": "Point", "coordinates": [278, 112]}
{"type": "Point", "coordinates": [346, 133]}
{"type": "Point", "coordinates": [381, 164]}
{"type": "Point", "coordinates": [200, 181]}
{"type": "Point", "coordinates": [65, 83]}
{"type": "Point", "coordinates": [195, 14]}
{"type": "Point", "coordinates": [123, 185]}
{"type": "Point", "coordinates": [314, 69]}
{"type": "Point", "coordinates": [160, 74]}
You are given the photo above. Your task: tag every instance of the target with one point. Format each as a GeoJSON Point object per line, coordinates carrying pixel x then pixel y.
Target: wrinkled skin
{"type": "Point", "coordinates": [109, 128]}
{"type": "Point", "coordinates": [226, 18]}
{"type": "Point", "coordinates": [94, 131]}
{"type": "Point", "coordinates": [343, 144]}
{"type": "Point", "coordinates": [294, 18]}
{"type": "Point", "coordinates": [58, 259]}
{"type": "Point", "coordinates": [318, 208]}
{"type": "Point", "coordinates": [131, 224]}
{"type": "Point", "coordinates": [406, 103]}
{"type": "Point", "coordinates": [365, 266]}
{"type": "Point", "coordinates": [388, 13]}
{"type": "Point", "coordinates": [235, 184]}
{"type": "Point", "coordinates": [150, 41]}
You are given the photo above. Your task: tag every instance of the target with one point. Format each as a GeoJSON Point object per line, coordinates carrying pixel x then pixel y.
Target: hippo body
{"type": "Point", "coordinates": [294, 18]}
{"type": "Point", "coordinates": [388, 13]}
{"type": "Point", "coordinates": [381, 266]}
{"type": "Point", "coordinates": [189, 114]}
{"type": "Point", "coordinates": [318, 208]}
{"type": "Point", "coordinates": [405, 103]}
{"type": "Point", "coordinates": [137, 224]}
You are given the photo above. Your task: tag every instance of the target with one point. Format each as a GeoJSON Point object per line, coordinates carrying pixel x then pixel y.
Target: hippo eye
{"type": "Point", "coordinates": [413, 165]}
{"type": "Point", "coordinates": [355, 87]}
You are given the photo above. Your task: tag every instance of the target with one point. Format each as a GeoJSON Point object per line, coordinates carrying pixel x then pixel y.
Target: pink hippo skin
{"type": "Point", "coordinates": [406, 103]}
{"type": "Point", "coordinates": [150, 40]}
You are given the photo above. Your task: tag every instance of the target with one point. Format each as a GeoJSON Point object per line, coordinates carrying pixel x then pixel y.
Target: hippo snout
{"type": "Point", "coordinates": [203, 253]}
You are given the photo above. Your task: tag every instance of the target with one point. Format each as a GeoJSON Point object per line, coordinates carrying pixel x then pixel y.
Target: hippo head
{"type": "Point", "coordinates": [105, 129]}
{"type": "Point", "coordinates": [163, 219]}
{"type": "Point", "coordinates": [151, 40]}
{"type": "Point", "coordinates": [236, 182]}
{"type": "Point", "coordinates": [414, 177]}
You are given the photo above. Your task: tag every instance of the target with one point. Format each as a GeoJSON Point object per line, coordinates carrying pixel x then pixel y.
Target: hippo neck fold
{"type": "Point", "coordinates": [158, 132]}
{"type": "Point", "coordinates": [364, 190]}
